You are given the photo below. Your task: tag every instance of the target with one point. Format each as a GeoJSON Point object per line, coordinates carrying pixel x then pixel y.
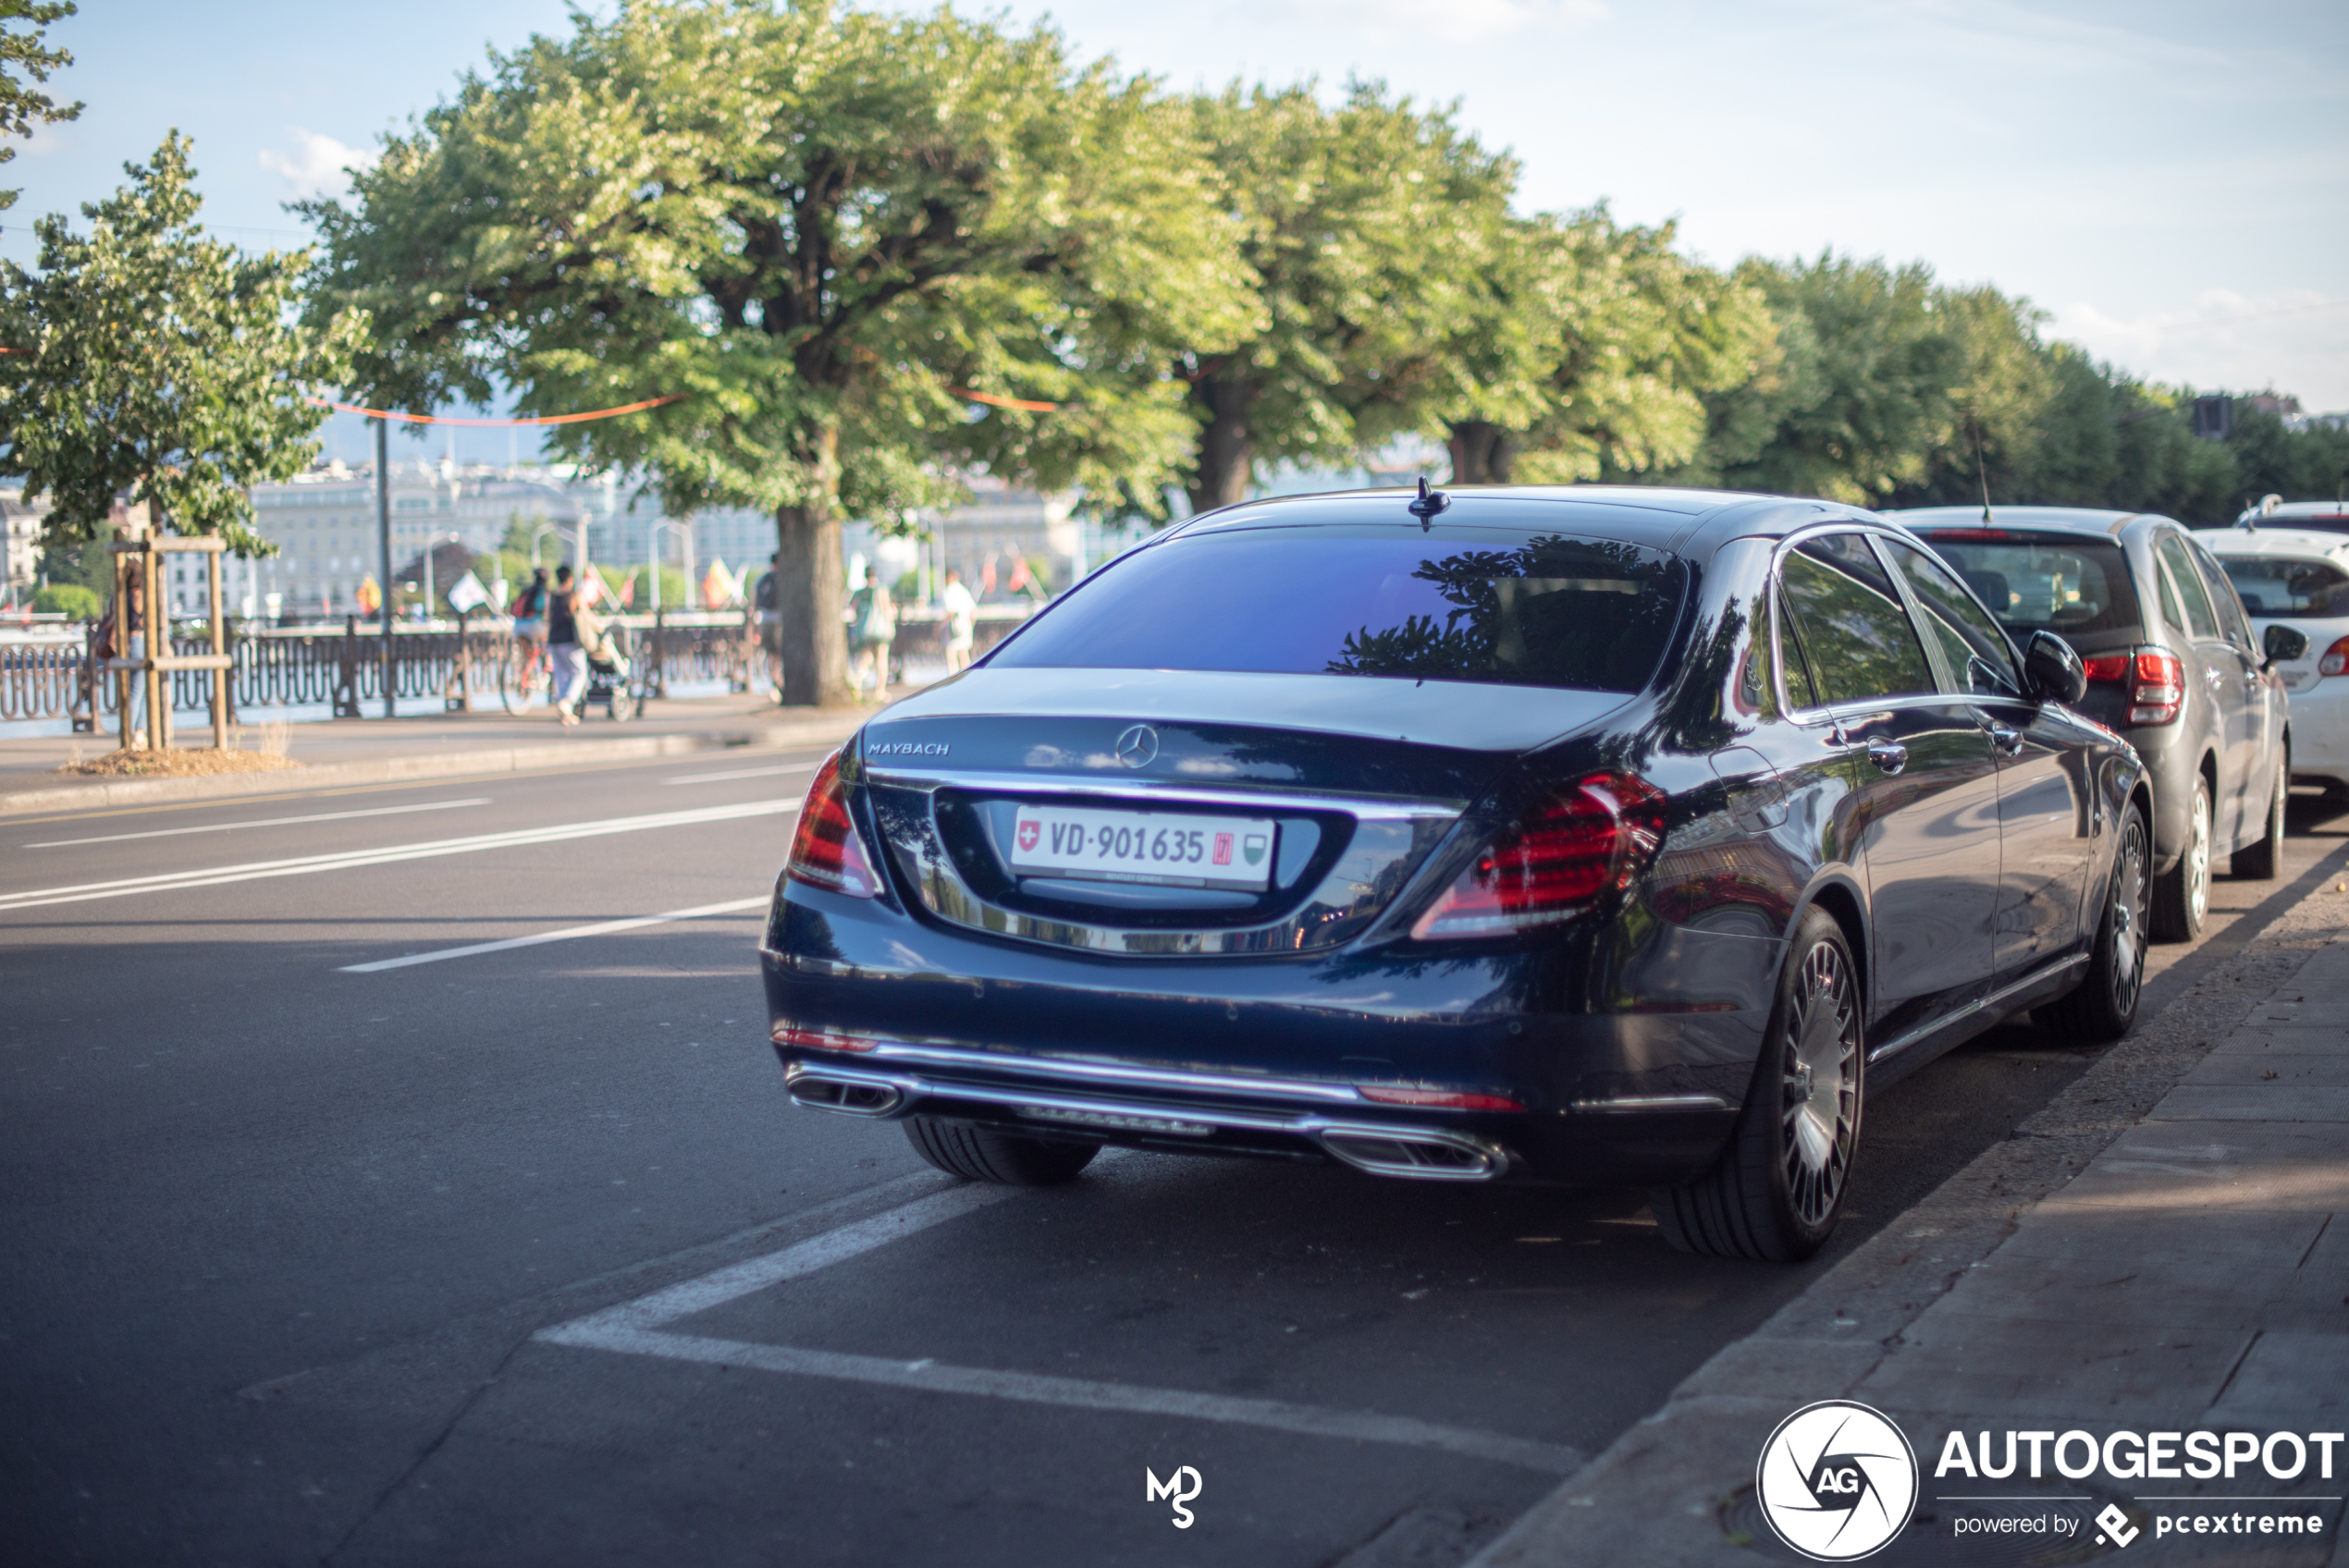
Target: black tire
{"type": "Point", "coordinates": [2105, 1003]}
{"type": "Point", "coordinates": [1777, 1191]}
{"type": "Point", "coordinates": [2182, 894]}
{"type": "Point", "coordinates": [2262, 860]}
{"type": "Point", "coordinates": [981, 1154]}
{"type": "Point", "coordinates": [519, 696]}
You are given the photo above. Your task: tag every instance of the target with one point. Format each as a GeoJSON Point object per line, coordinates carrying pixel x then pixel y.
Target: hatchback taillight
{"type": "Point", "coordinates": [2107, 667]}
{"type": "Point", "coordinates": [827, 851]}
{"type": "Point", "coordinates": [2335, 660]}
{"type": "Point", "coordinates": [2159, 689]}
{"type": "Point", "coordinates": [1552, 864]}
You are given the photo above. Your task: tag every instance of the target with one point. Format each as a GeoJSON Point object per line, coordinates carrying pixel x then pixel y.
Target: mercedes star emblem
{"type": "Point", "coordinates": [1138, 746]}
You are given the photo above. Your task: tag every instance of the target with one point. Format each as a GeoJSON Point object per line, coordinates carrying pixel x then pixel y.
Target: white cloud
{"type": "Point", "coordinates": [1451, 21]}
{"type": "Point", "coordinates": [2294, 340]}
{"type": "Point", "coordinates": [319, 165]}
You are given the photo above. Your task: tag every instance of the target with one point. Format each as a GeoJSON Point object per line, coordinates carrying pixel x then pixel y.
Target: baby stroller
{"type": "Point", "coordinates": [615, 681]}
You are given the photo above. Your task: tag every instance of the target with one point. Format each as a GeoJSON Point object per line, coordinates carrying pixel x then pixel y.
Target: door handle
{"type": "Point", "coordinates": [1889, 756]}
{"type": "Point", "coordinates": [2005, 739]}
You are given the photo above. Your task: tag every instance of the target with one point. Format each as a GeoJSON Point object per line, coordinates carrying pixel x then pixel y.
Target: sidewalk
{"type": "Point", "coordinates": [354, 750]}
{"type": "Point", "coordinates": [2163, 1248]}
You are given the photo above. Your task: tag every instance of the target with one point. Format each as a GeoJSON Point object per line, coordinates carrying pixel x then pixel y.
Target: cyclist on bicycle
{"type": "Point", "coordinates": [529, 608]}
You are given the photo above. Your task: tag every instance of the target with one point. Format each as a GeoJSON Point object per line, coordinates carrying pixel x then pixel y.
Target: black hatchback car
{"type": "Point", "coordinates": [1594, 836]}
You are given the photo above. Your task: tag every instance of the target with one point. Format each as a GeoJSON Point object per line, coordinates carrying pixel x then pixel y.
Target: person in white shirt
{"type": "Point", "coordinates": [962, 615]}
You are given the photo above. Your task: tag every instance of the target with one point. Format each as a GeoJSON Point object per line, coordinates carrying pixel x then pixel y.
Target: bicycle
{"type": "Point", "coordinates": [524, 676]}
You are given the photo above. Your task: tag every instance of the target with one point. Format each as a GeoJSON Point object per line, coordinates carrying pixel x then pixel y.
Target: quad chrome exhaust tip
{"type": "Point", "coordinates": [1415, 1153]}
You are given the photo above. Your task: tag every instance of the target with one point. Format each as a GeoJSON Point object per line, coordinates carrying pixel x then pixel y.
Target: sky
{"type": "Point", "coordinates": [2169, 182]}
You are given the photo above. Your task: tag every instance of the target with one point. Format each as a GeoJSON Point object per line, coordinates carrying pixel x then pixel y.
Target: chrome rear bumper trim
{"type": "Point", "coordinates": [1436, 1153]}
{"type": "Point", "coordinates": [1058, 1071]}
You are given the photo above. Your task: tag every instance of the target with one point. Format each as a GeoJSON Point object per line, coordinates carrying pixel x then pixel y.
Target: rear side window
{"type": "Point", "coordinates": [1491, 605]}
{"type": "Point", "coordinates": [2201, 620]}
{"type": "Point", "coordinates": [2058, 582]}
{"type": "Point", "coordinates": [1971, 645]}
{"type": "Point", "coordinates": [2289, 585]}
{"type": "Point", "coordinates": [1855, 633]}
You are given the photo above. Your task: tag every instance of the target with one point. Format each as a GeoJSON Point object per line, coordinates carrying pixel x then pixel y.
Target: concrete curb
{"type": "Point", "coordinates": [1660, 1493]}
{"type": "Point", "coordinates": [99, 794]}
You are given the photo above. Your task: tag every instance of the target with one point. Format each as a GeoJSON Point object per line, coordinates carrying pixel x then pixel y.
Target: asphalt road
{"type": "Point", "coordinates": [521, 1256]}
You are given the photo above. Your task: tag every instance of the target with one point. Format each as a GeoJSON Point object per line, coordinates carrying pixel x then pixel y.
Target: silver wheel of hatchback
{"type": "Point", "coordinates": [2181, 898]}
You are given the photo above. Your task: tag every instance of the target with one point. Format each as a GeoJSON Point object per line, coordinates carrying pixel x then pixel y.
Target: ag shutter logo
{"type": "Point", "coordinates": [1178, 1488]}
{"type": "Point", "coordinates": [1836, 1480]}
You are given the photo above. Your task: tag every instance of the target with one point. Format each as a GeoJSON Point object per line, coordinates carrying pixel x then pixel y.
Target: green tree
{"type": "Point", "coordinates": [22, 106]}
{"type": "Point", "coordinates": [1857, 398]}
{"type": "Point", "coordinates": [1626, 336]}
{"type": "Point", "coordinates": [818, 226]}
{"type": "Point", "coordinates": [155, 363]}
{"type": "Point", "coordinates": [1371, 230]}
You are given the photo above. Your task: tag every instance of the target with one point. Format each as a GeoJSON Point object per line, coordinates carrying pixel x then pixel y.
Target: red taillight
{"type": "Point", "coordinates": [822, 1039]}
{"type": "Point", "coordinates": [1552, 864]}
{"type": "Point", "coordinates": [2160, 687]}
{"type": "Point", "coordinates": [1968, 533]}
{"type": "Point", "coordinates": [2335, 660]}
{"type": "Point", "coordinates": [1441, 1099]}
{"type": "Point", "coordinates": [827, 851]}
{"type": "Point", "coordinates": [2107, 667]}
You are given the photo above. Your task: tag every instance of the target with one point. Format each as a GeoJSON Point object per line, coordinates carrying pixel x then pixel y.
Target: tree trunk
{"type": "Point", "coordinates": [1482, 453]}
{"type": "Point", "coordinates": [1226, 447]}
{"type": "Point", "coordinates": [810, 594]}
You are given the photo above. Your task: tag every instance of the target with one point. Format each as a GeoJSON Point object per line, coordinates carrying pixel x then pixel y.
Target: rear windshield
{"type": "Point", "coordinates": [1493, 605]}
{"type": "Point", "coordinates": [2287, 585]}
{"type": "Point", "coordinates": [2056, 582]}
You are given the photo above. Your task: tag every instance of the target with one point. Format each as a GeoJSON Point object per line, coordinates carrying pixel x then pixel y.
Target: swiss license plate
{"type": "Point", "coordinates": [1129, 846]}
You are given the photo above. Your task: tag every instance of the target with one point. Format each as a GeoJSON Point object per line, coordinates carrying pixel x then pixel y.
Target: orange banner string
{"type": "Point", "coordinates": [545, 419]}
{"type": "Point", "coordinates": [1033, 408]}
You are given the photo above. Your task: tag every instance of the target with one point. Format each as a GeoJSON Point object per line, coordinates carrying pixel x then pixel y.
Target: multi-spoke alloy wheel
{"type": "Point", "coordinates": [1822, 1116]}
{"type": "Point", "coordinates": [1777, 1189]}
{"type": "Point", "coordinates": [2106, 1002]}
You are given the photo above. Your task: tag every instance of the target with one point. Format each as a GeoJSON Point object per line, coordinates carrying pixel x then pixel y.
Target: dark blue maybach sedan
{"type": "Point", "coordinates": [1592, 835]}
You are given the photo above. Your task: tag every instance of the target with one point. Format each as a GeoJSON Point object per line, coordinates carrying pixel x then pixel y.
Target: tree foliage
{"type": "Point", "coordinates": [819, 225]}
{"type": "Point", "coordinates": [1369, 231]}
{"type": "Point", "coordinates": [23, 105]}
{"type": "Point", "coordinates": [150, 361]}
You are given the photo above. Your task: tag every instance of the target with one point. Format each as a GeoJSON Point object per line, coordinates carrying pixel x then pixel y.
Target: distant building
{"type": "Point", "coordinates": [2272, 403]}
{"type": "Point", "coordinates": [21, 539]}
{"type": "Point", "coordinates": [1003, 524]}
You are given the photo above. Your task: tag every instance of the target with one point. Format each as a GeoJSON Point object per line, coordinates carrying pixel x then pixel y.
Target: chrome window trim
{"type": "Point", "coordinates": [1367, 808]}
{"type": "Point", "coordinates": [1832, 714]}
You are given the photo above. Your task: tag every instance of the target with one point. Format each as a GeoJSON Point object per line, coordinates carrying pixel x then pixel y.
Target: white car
{"type": "Point", "coordinates": [2299, 577]}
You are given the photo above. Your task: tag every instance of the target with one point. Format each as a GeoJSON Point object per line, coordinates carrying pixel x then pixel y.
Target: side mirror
{"type": "Point", "coordinates": [2281, 643]}
{"type": "Point", "coordinates": [2052, 669]}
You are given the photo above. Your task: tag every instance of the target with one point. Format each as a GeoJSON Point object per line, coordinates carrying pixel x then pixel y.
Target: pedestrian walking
{"type": "Point", "coordinates": [872, 627]}
{"type": "Point", "coordinates": [768, 597]}
{"type": "Point", "coordinates": [563, 646]}
{"type": "Point", "coordinates": [962, 620]}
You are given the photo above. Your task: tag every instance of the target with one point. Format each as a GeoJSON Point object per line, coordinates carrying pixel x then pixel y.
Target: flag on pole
{"type": "Point", "coordinates": [467, 594]}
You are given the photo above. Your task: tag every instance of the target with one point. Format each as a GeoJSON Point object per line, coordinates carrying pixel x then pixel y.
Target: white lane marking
{"type": "Point", "coordinates": [742, 773]}
{"type": "Point", "coordinates": [634, 1328]}
{"type": "Point", "coordinates": [1082, 1393]}
{"type": "Point", "coordinates": [601, 928]}
{"type": "Point", "coordinates": [264, 821]}
{"type": "Point", "coordinates": [817, 1252]}
{"type": "Point", "coordinates": [304, 865]}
